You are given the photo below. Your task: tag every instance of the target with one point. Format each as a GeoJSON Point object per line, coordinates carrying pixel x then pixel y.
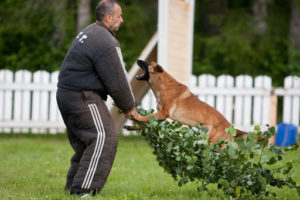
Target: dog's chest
{"type": "Point", "coordinates": [158, 100]}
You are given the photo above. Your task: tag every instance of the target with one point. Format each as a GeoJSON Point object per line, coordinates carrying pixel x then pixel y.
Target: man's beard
{"type": "Point", "coordinates": [114, 27]}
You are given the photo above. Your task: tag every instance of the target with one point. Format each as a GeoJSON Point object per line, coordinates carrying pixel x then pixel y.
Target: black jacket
{"type": "Point", "coordinates": [94, 62]}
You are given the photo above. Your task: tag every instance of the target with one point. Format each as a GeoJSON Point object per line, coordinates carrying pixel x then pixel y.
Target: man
{"type": "Point", "coordinates": [92, 69]}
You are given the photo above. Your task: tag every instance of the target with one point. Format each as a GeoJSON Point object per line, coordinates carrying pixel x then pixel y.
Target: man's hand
{"type": "Point", "coordinates": [131, 114]}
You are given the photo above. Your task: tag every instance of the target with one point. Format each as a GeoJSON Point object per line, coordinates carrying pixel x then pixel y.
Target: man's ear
{"type": "Point", "coordinates": [108, 18]}
{"type": "Point", "coordinates": [158, 68]}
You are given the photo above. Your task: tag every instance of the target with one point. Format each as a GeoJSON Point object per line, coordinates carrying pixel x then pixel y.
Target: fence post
{"type": "Point", "coordinates": [243, 104]}
{"type": "Point", "coordinates": [261, 110]}
{"type": "Point", "coordinates": [291, 103]}
{"type": "Point", "coordinates": [207, 81]}
{"type": "Point", "coordinates": [40, 101]}
{"type": "Point", "coordinates": [6, 77]}
{"type": "Point", "coordinates": [273, 114]}
{"type": "Point", "coordinates": [22, 100]}
{"type": "Point", "coordinates": [225, 102]}
{"type": "Point", "coordinates": [53, 111]}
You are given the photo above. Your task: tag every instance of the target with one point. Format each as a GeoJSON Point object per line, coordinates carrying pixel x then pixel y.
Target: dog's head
{"type": "Point", "coordinates": [151, 68]}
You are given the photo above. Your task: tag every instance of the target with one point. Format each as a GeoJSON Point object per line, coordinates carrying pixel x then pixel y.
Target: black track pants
{"type": "Point", "coordinates": [93, 137]}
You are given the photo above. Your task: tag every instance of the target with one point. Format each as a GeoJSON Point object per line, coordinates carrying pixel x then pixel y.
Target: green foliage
{"type": "Point", "coordinates": [225, 41]}
{"type": "Point", "coordinates": [139, 25]}
{"type": "Point", "coordinates": [32, 35]}
{"type": "Point", "coordinates": [36, 34]}
{"type": "Point", "coordinates": [241, 168]}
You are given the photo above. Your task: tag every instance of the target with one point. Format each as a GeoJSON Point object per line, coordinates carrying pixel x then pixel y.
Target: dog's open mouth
{"type": "Point", "coordinates": [144, 66]}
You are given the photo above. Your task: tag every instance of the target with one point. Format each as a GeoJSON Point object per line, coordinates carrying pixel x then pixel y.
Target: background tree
{"type": "Point", "coordinates": [36, 34]}
{"type": "Point", "coordinates": [83, 14]}
{"type": "Point", "coordinates": [231, 36]}
{"type": "Point", "coordinates": [240, 46]}
{"type": "Point", "coordinates": [294, 58]}
{"type": "Point", "coordinates": [259, 9]}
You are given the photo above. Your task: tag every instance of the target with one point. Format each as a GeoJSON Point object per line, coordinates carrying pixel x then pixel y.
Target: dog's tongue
{"type": "Point", "coordinates": [140, 76]}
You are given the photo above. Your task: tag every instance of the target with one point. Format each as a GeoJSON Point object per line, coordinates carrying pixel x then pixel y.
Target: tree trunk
{"type": "Point", "coordinates": [295, 25]}
{"type": "Point", "coordinates": [83, 14]}
{"type": "Point", "coordinates": [58, 36]}
{"type": "Point", "coordinates": [259, 9]}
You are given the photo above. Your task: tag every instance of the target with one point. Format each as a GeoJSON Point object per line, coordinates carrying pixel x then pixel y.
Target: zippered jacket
{"type": "Point", "coordinates": [94, 62]}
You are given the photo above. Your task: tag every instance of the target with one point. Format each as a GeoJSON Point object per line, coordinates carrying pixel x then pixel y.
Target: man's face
{"type": "Point", "coordinates": [116, 19]}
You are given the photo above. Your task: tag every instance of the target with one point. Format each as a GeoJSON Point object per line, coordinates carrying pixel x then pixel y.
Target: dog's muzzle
{"type": "Point", "coordinates": [144, 66]}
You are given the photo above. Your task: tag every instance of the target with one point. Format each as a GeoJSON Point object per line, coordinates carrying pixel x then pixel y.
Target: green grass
{"type": "Point", "coordinates": [34, 167]}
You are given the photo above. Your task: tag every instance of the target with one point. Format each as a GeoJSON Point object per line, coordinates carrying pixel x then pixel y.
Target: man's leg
{"type": "Point", "coordinates": [77, 145]}
{"type": "Point", "coordinates": [89, 121]}
{"type": "Point", "coordinates": [79, 148]}
{"type": "Point", "coordinates": [92, 124]}
{"type": "Point", "coordinates": [98, 157]}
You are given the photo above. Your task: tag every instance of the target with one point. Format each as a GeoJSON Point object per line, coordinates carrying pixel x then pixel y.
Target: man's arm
{"type": "Point", "coordinates": [111, 70]}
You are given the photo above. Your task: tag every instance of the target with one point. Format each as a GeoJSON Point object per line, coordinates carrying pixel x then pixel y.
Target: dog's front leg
{"type": "Point", "coordinates": [139, 118]}
{"type": "Point", "coordinates": [160, 115]}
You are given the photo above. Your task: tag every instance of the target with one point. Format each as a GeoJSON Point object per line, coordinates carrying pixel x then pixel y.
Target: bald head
{"type": "Point", "coordinates": [109, 12]}
{"type": "Point", "coordinates": [105, 7]}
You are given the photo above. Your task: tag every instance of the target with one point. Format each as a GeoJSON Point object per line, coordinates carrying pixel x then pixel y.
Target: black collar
{"type": "Point", "coordinates": [101, 24]}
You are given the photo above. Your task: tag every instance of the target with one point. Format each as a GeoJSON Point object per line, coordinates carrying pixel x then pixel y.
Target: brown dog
{"type": "Point", "coordinates": [176, 101]}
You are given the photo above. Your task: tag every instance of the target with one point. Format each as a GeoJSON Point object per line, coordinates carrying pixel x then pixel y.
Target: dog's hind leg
{"type": "Point", "coordinates": [241, 134]}
{"type": "Point", "coordinates": [215, 134]}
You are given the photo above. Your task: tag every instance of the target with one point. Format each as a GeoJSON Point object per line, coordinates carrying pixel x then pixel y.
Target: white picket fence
{"type": "Point", "coordinates": [28, 100]}
{"type": "Point", "coordinates": [245, 101]}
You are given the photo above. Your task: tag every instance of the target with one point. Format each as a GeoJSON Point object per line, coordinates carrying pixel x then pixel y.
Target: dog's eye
{"type": "Point", "coordinates": [149, 63]}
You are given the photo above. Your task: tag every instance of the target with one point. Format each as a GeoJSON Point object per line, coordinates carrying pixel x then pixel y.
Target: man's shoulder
{"type": "Point", "coordinates": [100, 34]}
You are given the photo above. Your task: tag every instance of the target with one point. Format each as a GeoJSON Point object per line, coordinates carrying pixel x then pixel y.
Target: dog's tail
{"type": "Point", "coordinates": [243, 134]}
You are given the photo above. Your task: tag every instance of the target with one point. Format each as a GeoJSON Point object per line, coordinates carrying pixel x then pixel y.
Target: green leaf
{"type": "Point", "coordinates": [231, 131]}
{"type": "Point", "coordinates": [272, 131]}
{"type": "Point", "coordinates": [290, 163]}
{"type": "Point", "coordinates": [249, 182]}
{"type": "Point", "coordinates": [294, 147]}
{"type": "Point", "coordinates": [161, 136]}
{"type": "Point", "coordinates": [298, 190]}
{"type": "Point", "coordinates": [199, 142]}
{"type": "Point", "coordinates": [272, 161]}
{"type": "Point", "coordinates": [257, 128]}
{"type": "Point", "coordinates": [265, 158]}
{"type": "Point", "coordinates": [238, 191]}
{"type": "Point", "coordinates": [233, 145]}
{"type": "Point", "coordinates": [198, 126]}
{"type": "Point", "coordinates": [169, 147]}
{"type": "Point", "coordinates": [259, 152]}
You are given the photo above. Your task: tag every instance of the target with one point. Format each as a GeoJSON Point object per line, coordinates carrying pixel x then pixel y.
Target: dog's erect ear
{"type": "Point", "coordinates": [158, 68]}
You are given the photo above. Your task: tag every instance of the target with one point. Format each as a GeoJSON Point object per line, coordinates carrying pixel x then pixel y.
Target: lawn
{"type": "Point", "coordinates": [34, 167]}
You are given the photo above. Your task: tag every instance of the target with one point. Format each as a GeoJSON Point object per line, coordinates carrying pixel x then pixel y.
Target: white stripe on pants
{"type": "Point", "coordinates": [98, 147]}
